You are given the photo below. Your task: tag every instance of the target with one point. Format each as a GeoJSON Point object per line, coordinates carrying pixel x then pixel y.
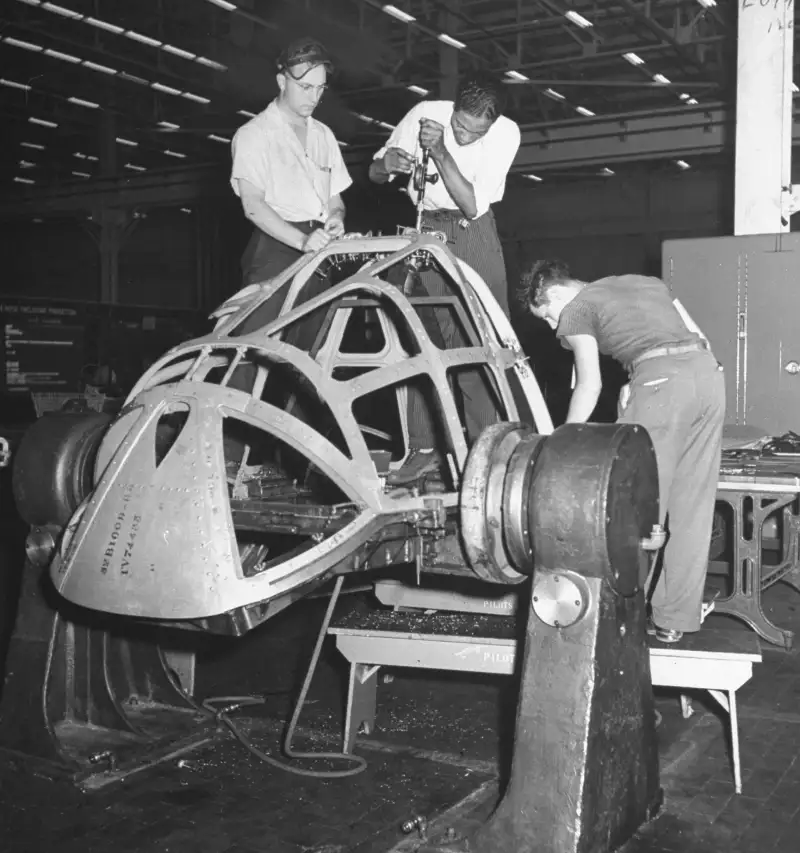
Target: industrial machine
{"type": "Point", "coordinates": [251, 465]}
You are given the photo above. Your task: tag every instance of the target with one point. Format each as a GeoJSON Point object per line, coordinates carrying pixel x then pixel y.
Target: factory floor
{"type": "Point", "coordinates": [439, 739]}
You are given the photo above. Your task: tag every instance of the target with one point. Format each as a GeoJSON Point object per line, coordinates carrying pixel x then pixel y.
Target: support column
{"type": "Point", "coordinates": [448, 58]}
{"type": "Point", "coordinates": [763, 115]}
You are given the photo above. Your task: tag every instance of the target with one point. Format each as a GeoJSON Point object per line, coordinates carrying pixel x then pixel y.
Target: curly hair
{"type": "Point", "coordinates": [537, 281]}
{"type": "Point", "coordinates": [481, 95]}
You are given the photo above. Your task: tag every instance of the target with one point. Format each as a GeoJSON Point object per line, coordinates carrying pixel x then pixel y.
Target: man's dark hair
{"type": "Point", "coordinates": [304, 50]}
{"type": "Point", "coordinates": [537, 281]}
{"type": "Point", "coordinates": [481, 95]}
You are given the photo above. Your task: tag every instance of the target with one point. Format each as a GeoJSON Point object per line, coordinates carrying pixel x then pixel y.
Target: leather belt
{"type": "Point", "coordinates": [448, 213]}
{"type": "Point", "coordinates": [676, 349]}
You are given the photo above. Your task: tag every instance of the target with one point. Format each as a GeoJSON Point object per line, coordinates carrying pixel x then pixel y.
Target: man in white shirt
{"type": "Point", "coordinates": [472, 146]}
{"type": "Point", "coordinates": [288, 169]}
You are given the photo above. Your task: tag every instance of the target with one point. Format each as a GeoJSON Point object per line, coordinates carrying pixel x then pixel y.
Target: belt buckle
{"type": "Point", "coordinates": [463, 223]}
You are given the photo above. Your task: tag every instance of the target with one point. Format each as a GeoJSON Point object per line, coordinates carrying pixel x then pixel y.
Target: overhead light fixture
{"type": "Point", "coordinates": [60, 10]}
{"type": "Point", "coordinates": [660, 78]}
{"type": "Point", "coordinates": [223, 4]}
{"type": "Point", "coordinates": [186, 210]}
{"type": "Point", "coordinates": [707, 4]}
{"type": "Point", "coordinates": [134, 168]}
{"type": "Point", "coordinates": [246, 113]}
{"type": "Point", "coordinates": [92, 157]}
{"type": "Point", "coordinates": [217, 138]}
{"type": "Point", "coordinates": [533, 178]}
{"type": "Point", "coordinates": [691, 102]}
{"type": "Point", "coordinates": [606, 172]}
{"type": "Point", "coordinates": [79, 154]}
{"type": "Point", "coordinates": [129, 142]}
{"type": "Point", "coordinates": [103, 69]}
{"type": "Point", "coordinates": [633, 58]}
{"type": "Point", "coordinates": [34, 145]}
{"type": "Point", "coordinates": [41, 122]}
{"type": "Point", "coordinates": [66, 57]}
{"type": "Point", "coordinates": [26, 164]}
{"type": "Point", "coordinates": [682, 164]}
{"type": "Point", "coordinates": [684, 96]}
{"type": "Point", "coordinates": [516, 75]}
{"type": "Point", "coordinates": [578, 20]}
{"type": "Point", "coordinates": [398, 13]}
{"type": "Point", "coordinates": [31, 2]}
{"type": "Point", "coordinates": [132, 78]}
{"type": "Point", "coordinates": [104, 25]}
{"type": "Point", "coordinates": [385, 125]}
{"type": "Point", "coordinates": [418, 90]}
{"type": "Point", "coordinates": [14, 85]}
{"type": "Point", "coordinates": [81, 103]}
{"type": "Point", "coordinates": [175, 154]}
{"type": "Point", "coordinates": [342, 143]}
{"type": "Point", "coordinates": [583, 111]}
{"type": "Point", "coordinates": [556, 96]}
{"type": "Point", "coordinates": [209, 63]}
{"type": "Point", "coordinates": [19, 180]}
{"type": "Point", "coordinates": [794, 87]}
{"type": "Point", "coordinates": [451, 41]}
{"type": "Point", "coordinates": [184, 54]}
{"type": "Point", "coordinates": [25, 45]}
{"type": "Point", "coordinates": [169, 125]}
{"type": "Point", "coordinates": [367, 119]}
{"type": "Point", "coordinates": [198, 99]}
{"type": "Point", "coordinates": [169, 90]}
{"type": "Point", "coordinates": [81, 174]}
{"type": "Point", "coordinates": [134, 36]}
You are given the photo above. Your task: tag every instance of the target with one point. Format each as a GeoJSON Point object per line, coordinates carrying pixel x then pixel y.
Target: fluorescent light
{"type": "Point", "coordinates": [19, 180]}
{"type": "Point", "coordinates": [34, 145]}
{"type": "Point", "coordinates": [223, 4]}
{"type": "Point", "coordinates": [104, 25]}
{"type": "Point", "coordinates": [95, 67]}
{"type": "Point", "coordinates": [133, 167]}
{"type": "Point", "coordinates": [169, 125]}
{"type": "Point", "coordinates": [42, 122]}
{"type": "Point", "coordinates": [184, 54]}
{"type": "Point", "coordinates": [633, 58]}
{"type": "Point", "coordinates": [209, 63]}
{"type": "Point", "coordinates": [67, 57]}
{"type": "Point", "coordinates": [342, 144]}
{"type": "Point", "coordinates": [132, 78]}
{"type": "Point", "coordinates": [418, 90]}
{"type": "Point", "coordinates": [246, 113]}
{"type": "Point", "coordinates": [169, 90]}
{"type": "Point", "coordinates": [26, 164]}
{"type": "Point", "coordinates": [385, 124]}
{"type": "Point", "coordinates": [606, 172]}
{"type": "Point", "coordinates": [682, 164]}
{"type": "Point", "coordinates": [684, 97]}
{"type": "Point", "coordinates": [218, 138]}
{"type": "Point", "coordinates": [660, 78]}
{"type": "Point", "coordinates": [577, 19]}
{"type": "Point", "coordinates": [794, 87]}
{"type": "Point", "coordinates": [79, 155]}
{"type": "Point", "coordinates": [533, 177]}
{"type": "Point", "coordinates": [186, 210]}
{"type": "Point", "coordinates": [707, 4]}
{"type": "Point", "coordinates": [129, 142]}
{"type": "Point", "coordinates": [81, 174]}
{"type": "Point", "coordinates": [367, 119]}
{"type": "Point", "coordinates": [398, 13]}
{"type": "Point", "coordinates": [92, 158]}
{"type": "Point", "coordinates": [515, 75]}
{"type": "Point", "coordinates": [175, 154]}
{"type": "Point", "coordinates": [13, 85]}
{"type": "Point", "coordinates": [556, 96]}
{"type": "Point", "coordinates": [134, 36]}
{"type": "Point", "coordinates": [25, 45]}
{"type": "Point", "coordinates": [60, 10]}
{"type": "Point", "coordinates": [31, 2]}
{"type": "Point", "coordinates": [198, 99]}
{"type": "Point", "coordinates": [583, 111]}
{"type": "Point", "coordinates": [81, 103]}
{"type": "Point", "coordinates": [451, 41]}
{"type": "Point", "coordinates": [691, 102]}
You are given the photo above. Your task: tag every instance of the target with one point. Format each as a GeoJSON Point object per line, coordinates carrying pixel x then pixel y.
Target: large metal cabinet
{"type": "Point", "coordinates": [744, 293]}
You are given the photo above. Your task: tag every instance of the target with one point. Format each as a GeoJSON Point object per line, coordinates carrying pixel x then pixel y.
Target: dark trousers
{"type": "Point", "coordinates": [479, 246]}
{"type": "Point", "coordinates": [265, 257]}
{"type": "Point", "coordinates": [680, 400]}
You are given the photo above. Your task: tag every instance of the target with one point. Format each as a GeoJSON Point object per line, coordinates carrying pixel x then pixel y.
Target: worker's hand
{"type": "Point", "coordinates": [396, 160]}
{"type": "Point", "coordinates": [431, 135]}
{"type": "Point", "coordinates": [316, 240]}
{"type": "Point", "coordinates": [334, 224]}
{"type": "Point", "coordinates": [624, 396]}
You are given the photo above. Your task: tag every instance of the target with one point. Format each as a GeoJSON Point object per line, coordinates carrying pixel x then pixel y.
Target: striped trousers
{"type": "Point", "coordinates": [479, 246]}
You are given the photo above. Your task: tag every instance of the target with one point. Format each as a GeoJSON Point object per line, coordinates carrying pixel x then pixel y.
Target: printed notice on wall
{"type": "Point", "coordinates": [43, 346]}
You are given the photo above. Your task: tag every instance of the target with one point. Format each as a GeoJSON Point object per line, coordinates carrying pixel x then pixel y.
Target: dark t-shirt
{"type": "Point", "coordinates": [627, 315]}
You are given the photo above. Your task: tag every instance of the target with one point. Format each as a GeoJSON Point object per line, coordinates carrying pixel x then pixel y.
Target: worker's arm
{"type": "Point", "coordinates": [397, 156]}
{"type": "Point", "coordinates": [334, 224]}
{"type": "Point", "coordinates": [394, 161]}
{"type": "Point", "coordinates": [431, 136]}
{"type": "Point", "coordinates": [267, 220]}
{"type": "Point", "coordinates": [589, 381]}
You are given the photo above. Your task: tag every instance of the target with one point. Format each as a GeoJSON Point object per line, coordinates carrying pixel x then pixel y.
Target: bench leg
{"type": "Point", "coordinates": [729, 704]}
{"type": "Point", "coordinates": [361, 699]}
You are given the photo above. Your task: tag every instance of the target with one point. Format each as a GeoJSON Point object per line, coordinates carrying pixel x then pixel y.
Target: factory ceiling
{"type": "Point", "coordinates": [104, 87]}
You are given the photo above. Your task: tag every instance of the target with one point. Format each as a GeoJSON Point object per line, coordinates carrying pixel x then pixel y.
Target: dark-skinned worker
{"type": "Point", "coordinates": [676, 391]}
{"type": "Point", "coordinates": [472, 146]}
{"type": "Point", "coordinates": [288, 169]}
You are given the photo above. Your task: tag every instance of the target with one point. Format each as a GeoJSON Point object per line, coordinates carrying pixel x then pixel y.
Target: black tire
{"type": "Point", "coordinates": [54, 465]}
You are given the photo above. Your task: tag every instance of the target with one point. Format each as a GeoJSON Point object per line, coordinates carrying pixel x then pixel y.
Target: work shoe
{"type": "Point", "coordinates": [663, 635]}
{"type": "Point", "coordinates": [420, 463]}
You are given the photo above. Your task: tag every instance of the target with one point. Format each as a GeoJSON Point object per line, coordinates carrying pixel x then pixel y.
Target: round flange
{"type": "Point", "coordinates": [559, 599]}
{"type": "Point", "coordinates": [481, 508]}
{"type": "Point", "coordinates": [516, 496]}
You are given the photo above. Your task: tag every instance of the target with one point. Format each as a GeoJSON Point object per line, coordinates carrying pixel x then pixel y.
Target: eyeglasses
{"type": "Point", "coordinates": [309, 88]}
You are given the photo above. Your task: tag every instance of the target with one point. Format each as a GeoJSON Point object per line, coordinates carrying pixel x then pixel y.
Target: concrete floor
{"type": "Point", "coordinates": [439, 739]}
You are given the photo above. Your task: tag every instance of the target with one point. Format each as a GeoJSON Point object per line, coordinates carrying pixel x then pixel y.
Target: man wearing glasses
{"type": "Point", "coordinates": [288, 169]}
{"type": "Point", "coordinates": [472, 146]}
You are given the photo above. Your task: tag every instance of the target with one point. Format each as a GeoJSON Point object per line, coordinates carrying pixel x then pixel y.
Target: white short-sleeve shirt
{"type": "Point", "coordinates": [297, 183]}
{"type": "Point", "coordinates": [484, 163]}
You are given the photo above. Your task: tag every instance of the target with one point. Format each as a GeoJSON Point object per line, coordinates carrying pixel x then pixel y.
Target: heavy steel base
{"type": "Point", "coordinates": [83, 702]}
